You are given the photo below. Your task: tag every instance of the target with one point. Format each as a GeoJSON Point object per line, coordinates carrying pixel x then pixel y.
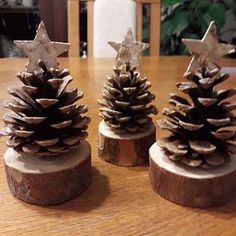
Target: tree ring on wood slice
{"type": "Point", "coordinates": [189, 186]}
{"type": "Point", "coordinates": [48, 180]}
{"type": "Point", "coordinates": [125, 149]}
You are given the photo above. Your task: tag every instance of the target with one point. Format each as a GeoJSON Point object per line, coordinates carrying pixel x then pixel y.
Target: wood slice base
{"type": "Point", "coordinates": [51, 180]}
{"type": "Point", "coordinates": [125, 149]}
{"type": "Point", "coordinates": [188, 186]}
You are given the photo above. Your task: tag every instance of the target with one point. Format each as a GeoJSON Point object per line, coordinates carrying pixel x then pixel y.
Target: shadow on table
{"type": "Point", "coordinates": [141, 168]}
{"type": "Point", "coordinates": [226, 211]}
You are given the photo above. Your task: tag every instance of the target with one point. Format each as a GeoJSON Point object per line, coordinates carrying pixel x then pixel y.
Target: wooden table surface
{"type": "Point", "coordinates": [120, 201]}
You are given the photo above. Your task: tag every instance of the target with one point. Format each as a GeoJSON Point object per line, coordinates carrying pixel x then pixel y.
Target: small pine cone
{"type": "Point", "coordinates": [126, 101]}
{"type": "Point", "coordinates": [201, 130]}
{"type": "Point", "coordinates": [43, 117]}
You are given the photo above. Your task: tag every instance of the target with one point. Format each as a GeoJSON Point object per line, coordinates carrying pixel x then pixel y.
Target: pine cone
{"type": "Point", "coordinates": [126, 101]}
{"type": "Point", "coordinates": [43, 117]}
{"type": "Point", "coordinates": [201, 134]}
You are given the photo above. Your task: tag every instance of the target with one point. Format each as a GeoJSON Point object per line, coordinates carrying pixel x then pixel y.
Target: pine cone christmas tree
{"type": "Point", "coordinates": [126, 100]}
{"type": "Point", "coordinates": [43, 117]}
{"type": "Point", "coordinates": [201, 129]}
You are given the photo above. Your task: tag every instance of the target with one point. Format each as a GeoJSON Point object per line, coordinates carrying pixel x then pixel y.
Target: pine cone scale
{"type": "Point", "coordinates": [190, 126]}
{"type": "Point", "coordinates": [23, 96]}
{"type": "Point", "coordinates": [62, 125]}
{"type": "Point", "coordinates": [46, 142]}
{"type": "Point", "coordinates": [46, 102]}
{"type": "Point", "coordinates": [16, 108]}
{"type": "Point", "coordinates": [168, 125]}
{"type": "Point", "coordinates": [173, 147]}
{"type": "Point", "coordinates": [207, 102]}
{"type": "Point", "coordinates": [80, 122]}
{"type": "Point", "coordinates": [15, 142]}
{"type": "Point", "coordinates": [175, 158]}
{"type": "Point", "coordinates": [123, 105]}
{"type": "Point", "coordinates": [16, 103]}
{"type": "Point", "coordinates": [202, 147]}
{"type": "Point", "coordinates": [72, 96]}
{"type": "Point", "coordinates": [25, 77]}
{"type": "Point", "coordinates": [62, 87]}
{"type": "Point", "coordinates": [33, 120]}
{"type": "Point", "coordinates": [186, 87]}
{"type": "Point", "coordinates": [9, 118]}
{"type": "Point", "coordinates": [110, 111]}
{"type": "Point", "coordinates": [192, 162]}
{"type": "Point", "coordinates": [177, 100]}
{"type": "Point", "coordinates": [129, 90]}
{"type": "Point", "coordinates": [223, 94]}
{"type": "Point", "coordinates": [30, 90]}
{"type": "Point", "coordinates": [124, 119]}
{"type": "Point", "coordinates": [224, 135]}
{"type": "Point", "coordinates": [55, 83]}
{"type": "Point", "coordinates": [24, 133]}
{"type": "Point", "coordinates": [30, 148]}
{"type": "Point", "coordinates": [219, 122]}
{"type": "Point", "coordinates": [72, 140]}
{"type": "Point", "coordinates": [56, 148]}
{"type": "Point", "coordinates": [214, 159]}
{"type": "Point", "coordinates": [229, 106]}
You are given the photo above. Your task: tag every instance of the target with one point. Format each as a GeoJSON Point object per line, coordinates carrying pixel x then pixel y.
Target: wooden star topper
{"type": "Point", "coordinates": [41, 48]}
{"type": "Point", "coordinates": [128, 50]}
{"type": "Point", "coordinates": [207, 52]}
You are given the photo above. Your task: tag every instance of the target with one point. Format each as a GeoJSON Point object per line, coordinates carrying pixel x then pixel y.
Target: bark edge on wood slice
{"type": "Point", "coordinates": [125, 149]}
{"type": "Point", "coordinates": [48, 181]}
{"type": "Point", "coordinates": [191, 187]}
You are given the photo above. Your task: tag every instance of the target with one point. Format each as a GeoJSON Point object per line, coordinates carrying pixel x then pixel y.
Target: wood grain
{"type": "Point", "coordinates": [73, 27]}
{"type": "Point", "coordinates": [139, 21]}
{"type": "Point", "coordinates": [43, 182]}
{"type": "Point", "coordinates": [73, 12]}
{"type": "Point", "coordinates": [193, 187]}
{"type": "Point", "coordinates": [120, 201]}
{"type": "Point", "coordinates": [53, 14]}
{"type": "Point", "coordinates": [125, 149]}
{"type": "Point", "coordinates": [155, 24]}
{"type": "Point", "coordinates": [155, 31]}
{"type": "Point", "coordinates": [90, 13]}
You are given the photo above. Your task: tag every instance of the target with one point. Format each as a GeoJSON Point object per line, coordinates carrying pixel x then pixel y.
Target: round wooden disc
{"type": "Point", "coordinates": [193, 187]}
{"type": "Point", "coordinates": [48, 180]}
{"type": "Point", "coordinates": [125, 149]}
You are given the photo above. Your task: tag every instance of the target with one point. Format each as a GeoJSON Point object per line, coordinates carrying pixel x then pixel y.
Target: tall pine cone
{"type": "Point", "coordinates": [202, 134]}
{"type": "Point", "coordinates": [43, 117]}
{"type": "Point", "coordinates": [126, 100]}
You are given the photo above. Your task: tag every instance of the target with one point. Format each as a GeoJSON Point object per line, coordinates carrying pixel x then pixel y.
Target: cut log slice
{"type": "Point", "coordinates": [192, 187]}
{"type": "Point", "coordinates": [49, 180]}
{"type": "Point", "coordinates": [125, 149]}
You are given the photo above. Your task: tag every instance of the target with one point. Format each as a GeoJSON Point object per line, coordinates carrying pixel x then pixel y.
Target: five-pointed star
{"type": "Point", "coordinates": [41, 48]}
{"type": "Point", "coordinates": [128, 50]}
{"type": "Point", "coordinates": [207, 51]}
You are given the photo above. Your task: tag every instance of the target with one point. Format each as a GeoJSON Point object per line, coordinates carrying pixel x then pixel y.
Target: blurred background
{"type": "Point", "coordinates": [173, 19]}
